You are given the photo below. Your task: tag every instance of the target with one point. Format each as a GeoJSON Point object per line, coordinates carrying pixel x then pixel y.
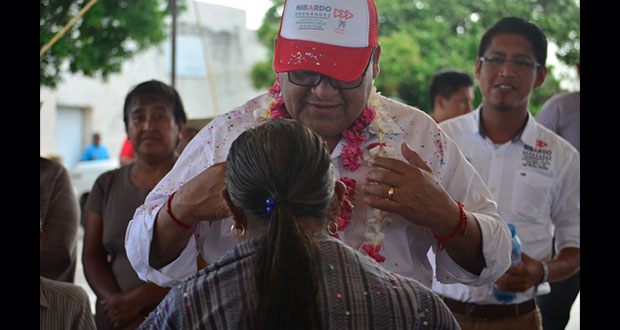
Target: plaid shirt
{"type": "Point", "coordinates": [354, 293]}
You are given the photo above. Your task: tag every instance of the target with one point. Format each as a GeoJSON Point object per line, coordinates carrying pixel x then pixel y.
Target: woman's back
{"type": "Point", "coordinates": [354, 293]}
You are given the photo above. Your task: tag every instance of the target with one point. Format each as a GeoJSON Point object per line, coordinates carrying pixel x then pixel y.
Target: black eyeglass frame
{"type": "Point", "coordinates": [331, 80]}
{"type": "Point", "coordinates": [493, 60]}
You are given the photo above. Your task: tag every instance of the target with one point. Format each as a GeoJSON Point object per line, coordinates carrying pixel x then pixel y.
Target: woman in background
{"type": "Point", "coordinates": [154, 119]}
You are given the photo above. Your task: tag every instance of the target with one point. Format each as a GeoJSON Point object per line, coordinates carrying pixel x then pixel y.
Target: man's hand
{"type": "Point", "coordinates": [522, 276]}
{"type": "Point", "coordinates": [120, 309]}
{"type": "Point", "coordinates": [418, 195]}
{"type": "Point", "coordinates": [419, 198]}
{"type": "Point", "coordinates": [200, 198]}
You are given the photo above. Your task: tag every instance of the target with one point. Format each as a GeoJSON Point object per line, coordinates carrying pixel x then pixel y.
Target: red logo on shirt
{"type": "Point", "coordinates": [541, 143]}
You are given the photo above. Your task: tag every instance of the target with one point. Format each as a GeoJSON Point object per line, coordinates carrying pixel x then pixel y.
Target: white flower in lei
{"type": "Point", "coordinates": [380, 219]}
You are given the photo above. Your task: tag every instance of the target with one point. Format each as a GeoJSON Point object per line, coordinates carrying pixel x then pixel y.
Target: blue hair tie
{"type": "Point", "coordinates": [270, 204]}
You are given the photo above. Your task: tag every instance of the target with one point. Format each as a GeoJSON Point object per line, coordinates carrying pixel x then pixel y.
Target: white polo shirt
{"type": "Point", "coordinates": [534, 179]}
{"type": "Point", "coordinates": [405, 245]}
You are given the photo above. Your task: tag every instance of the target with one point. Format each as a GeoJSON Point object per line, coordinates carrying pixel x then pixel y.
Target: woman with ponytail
{"type": "Point", "coordinates": [287, 272]}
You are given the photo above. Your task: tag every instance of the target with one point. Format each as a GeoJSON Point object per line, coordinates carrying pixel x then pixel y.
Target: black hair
{"type": "Point", "coordinates": [289, 163]}
{"type": "Point", "coordinates": [152, 88]}
{"type": "Point", "coordinates": [446, 82]}
{"type": "Point", "coordinates": [516, 25]}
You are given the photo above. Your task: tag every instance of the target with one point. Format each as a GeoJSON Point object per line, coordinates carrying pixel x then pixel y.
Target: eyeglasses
{"type": "Point", "coordinates": [312, 79]}
{"type": "Point", "coordinates": [518, 63]}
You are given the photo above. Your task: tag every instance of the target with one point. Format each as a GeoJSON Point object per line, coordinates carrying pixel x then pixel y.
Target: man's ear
{"type": "Point", "coordinates": [236, 211]}
{"type": "Point", "coordinates": [540, 77]}
{"type": "Point", "coordinates": [375, 62]}
{"type": "Point", "coordinates": [439, 102]}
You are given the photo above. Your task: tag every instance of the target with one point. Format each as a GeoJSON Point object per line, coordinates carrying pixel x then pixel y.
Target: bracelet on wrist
{"type": "Point", "coordinates": [462, 227]}
{"type": "Point", "coordinates": [545, 272]}
{"type": "Point", "coordinates": [169, 211]}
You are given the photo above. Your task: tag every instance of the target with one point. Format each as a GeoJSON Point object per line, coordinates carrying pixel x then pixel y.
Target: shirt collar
{"type": "Point", "coordinates": [527, 133]}
{"type": "Point", "coordinates": [383, 122]}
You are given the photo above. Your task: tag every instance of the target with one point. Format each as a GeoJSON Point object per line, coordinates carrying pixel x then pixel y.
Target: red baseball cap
{"type": "Point", "coordinates": [332, 37]}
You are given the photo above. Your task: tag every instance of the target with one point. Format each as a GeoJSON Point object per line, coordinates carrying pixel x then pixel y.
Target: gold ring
{"type": "Point", "coordinates": [390, 193]}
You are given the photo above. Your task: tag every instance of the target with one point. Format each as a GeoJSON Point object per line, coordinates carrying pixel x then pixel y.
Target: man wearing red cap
{"type": "Point", "coordinates": [410, 188]}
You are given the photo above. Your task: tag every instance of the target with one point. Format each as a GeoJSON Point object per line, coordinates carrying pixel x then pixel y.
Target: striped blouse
{"type": "Point", "coordinates": [355, 292]}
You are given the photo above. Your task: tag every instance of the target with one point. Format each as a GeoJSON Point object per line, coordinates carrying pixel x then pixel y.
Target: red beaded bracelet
{"type": "Point", "coordinates": [461, 227]}
{"type": "Point", "coordinates": [170, 213]}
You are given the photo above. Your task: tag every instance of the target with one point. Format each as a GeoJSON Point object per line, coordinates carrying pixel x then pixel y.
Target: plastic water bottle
{"type": "Point", "coordinates": [515, 258]}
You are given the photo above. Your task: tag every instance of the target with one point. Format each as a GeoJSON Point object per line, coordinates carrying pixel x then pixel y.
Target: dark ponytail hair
{"type": "Point", "coordinates": [285, 161]}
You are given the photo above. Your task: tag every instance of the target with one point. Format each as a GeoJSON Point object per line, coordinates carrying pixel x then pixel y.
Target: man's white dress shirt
{"type": "Point", "coordinates": [405, 244]}
{"type": "Point", "coordinates": [534, 178]}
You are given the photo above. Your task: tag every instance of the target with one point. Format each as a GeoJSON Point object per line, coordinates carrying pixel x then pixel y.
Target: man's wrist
{"type": "Point", "coordinates": [459, 231]}
{"type": "Point", "coordinates": [453, 223]}
{"type": "Point", "coordinates": [172, 217]}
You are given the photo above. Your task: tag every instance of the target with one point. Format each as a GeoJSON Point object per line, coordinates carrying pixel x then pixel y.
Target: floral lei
{"type": "Point", "coordinates": [351, 155]}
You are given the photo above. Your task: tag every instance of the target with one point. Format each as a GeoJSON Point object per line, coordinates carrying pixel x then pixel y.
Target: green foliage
{"type": "Point", "coordinates": [419, 37]}
{"type": "Point", "coordinates": [110, 32]}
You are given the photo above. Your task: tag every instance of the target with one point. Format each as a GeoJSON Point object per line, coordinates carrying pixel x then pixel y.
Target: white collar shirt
{"type": "Point", "coordinates": [405, 244]}
{"type": "Point", "coordinates": [535, 180]}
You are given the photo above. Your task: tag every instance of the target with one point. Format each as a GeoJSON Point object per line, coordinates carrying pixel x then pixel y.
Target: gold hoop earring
{"type": "Point", "coordinates": [332, 227]}
{"type": "Point", "coordinates": [234, 230]}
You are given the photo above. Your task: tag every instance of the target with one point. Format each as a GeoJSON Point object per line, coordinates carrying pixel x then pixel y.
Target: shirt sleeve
{"type": "Point", "coordinates": [565, 211]}
{"type": "Point", "coordinates": [464, 184]}
{"type": "Point", "coordinates": [138, 240]}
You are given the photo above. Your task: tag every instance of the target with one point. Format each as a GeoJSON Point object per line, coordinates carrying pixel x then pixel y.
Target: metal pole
{"type": "Point", "coordinates": [205, 52]}
{"type": "Point", "coordinates": [173, 10]}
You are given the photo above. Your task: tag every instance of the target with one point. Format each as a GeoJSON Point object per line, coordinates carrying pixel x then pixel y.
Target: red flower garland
{"type": "Point", "coordinates": [351, 154]}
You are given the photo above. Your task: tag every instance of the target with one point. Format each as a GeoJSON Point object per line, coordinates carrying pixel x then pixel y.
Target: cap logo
{"type": "Point", "coordinates": [342, 23]}
{"type": "Point", "coordinates": [334, 37]}
{"type": "Point", "coordinates": [342, 13]}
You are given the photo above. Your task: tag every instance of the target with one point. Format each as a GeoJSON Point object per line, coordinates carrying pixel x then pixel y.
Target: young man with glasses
{"type": "Point", "coordinates": [532, 173]}
{"type": "Point", "coordinates": [409, 187]}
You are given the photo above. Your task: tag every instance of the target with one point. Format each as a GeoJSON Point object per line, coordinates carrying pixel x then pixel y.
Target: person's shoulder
{"type": "Point", "coordinates": [106, 178]}
{"type": "Point", "coordinates": [49, 165]}
{"type": "Point", "coordinates": [67, 290]}
{"type": "Point", "coordinates": [566, 97]}
{"type": "Point", "coordinates": [549, 138]}
{"type": "Point", "coordinates": [399, 110]}
{"type": "Point", "coordinates": [241, 117]}
{"type": "Point", "coordinates": [461, 120]}
{"type": "Point", "coordinates": [410, 120]}
{"type": "Point", "coordinates": [53, 172]}
{"type": "Point", "coordinates": [116, 172]}
{"type": "Point", "coordinates": [463, 124]}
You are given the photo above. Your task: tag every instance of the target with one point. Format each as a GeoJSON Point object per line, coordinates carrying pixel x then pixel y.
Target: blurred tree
{"type": "Point", "coordinates": [420, 37]}
{"type": "Point", "coordinates": [110, 32]}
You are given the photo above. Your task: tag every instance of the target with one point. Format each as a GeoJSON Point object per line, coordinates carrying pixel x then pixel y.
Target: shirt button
{"type": "Point", "coordinates": [493, 189]}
